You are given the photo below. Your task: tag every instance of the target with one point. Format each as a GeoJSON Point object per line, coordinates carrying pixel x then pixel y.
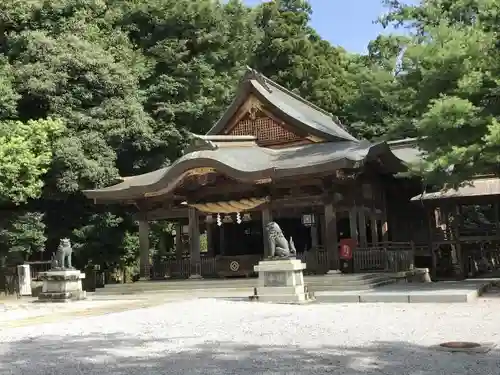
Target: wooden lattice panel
{"type": "Point", "coordinates": [267, 130]}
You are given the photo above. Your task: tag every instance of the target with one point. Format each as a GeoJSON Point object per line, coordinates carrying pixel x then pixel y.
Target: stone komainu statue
{"type": "Point", "coordinates": [278, 245]}
{"type": "Point", "coordinates": [63, 254]}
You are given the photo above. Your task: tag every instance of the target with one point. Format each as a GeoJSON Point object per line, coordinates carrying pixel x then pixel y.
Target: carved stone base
{"type": "Point", "coordinates": [61, 286]}
{"type": "Point", "coordinates": [281, 281]}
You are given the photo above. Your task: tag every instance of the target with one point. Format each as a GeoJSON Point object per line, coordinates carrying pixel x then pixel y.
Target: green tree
{"type": "Point", "coordinates": [292, 53]}
{"type": "Point", "coordinates": [453, 65]}
{"type": "Point", "coordinates": [377, 105]}
{"type": "Point", "coordinates": [197, 50]}
{"type": "Point", "coordinates": [21, 236]}
{"type": "Point", "coordinates": [26, 154]}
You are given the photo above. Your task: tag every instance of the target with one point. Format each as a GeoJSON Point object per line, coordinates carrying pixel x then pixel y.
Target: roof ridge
{"type": "Point", "coordinates": [259, 77]}
{"type": "Point", "coordinates": [268, 80]}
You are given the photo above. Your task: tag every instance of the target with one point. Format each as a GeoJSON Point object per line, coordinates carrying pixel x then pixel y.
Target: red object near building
{"type": "Point", "coordinates": [346, 247]}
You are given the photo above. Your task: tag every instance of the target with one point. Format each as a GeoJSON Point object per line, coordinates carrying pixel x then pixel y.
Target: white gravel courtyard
{"type": "Point", "coordinates": [210, 336]}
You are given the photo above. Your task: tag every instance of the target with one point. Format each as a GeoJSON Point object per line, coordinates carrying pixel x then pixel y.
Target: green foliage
{"type": "Point", "coordinates": [294, 55]}
{"type": "Point", "coordinates": [452, 65]}
{"type": "Point", "coordinates": [95, 90]}
{"type": "Point", "coordinates": [26, 154]}
{"type": "Point", "coordinates": [107, 239]}
{"type": "Point", "coordinates": [23, 234]}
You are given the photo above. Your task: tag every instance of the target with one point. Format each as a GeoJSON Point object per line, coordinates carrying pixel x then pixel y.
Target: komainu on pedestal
{"type": "Point", "coordinates": [279, 247]}
{"type": "Point", "coordinates": [281, 278]}
{"type": "Point", "coordinates": [62, 283]}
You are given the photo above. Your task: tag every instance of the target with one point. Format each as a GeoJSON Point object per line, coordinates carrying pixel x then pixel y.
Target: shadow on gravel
{"type": "Point", "coordinates": [106, 355]}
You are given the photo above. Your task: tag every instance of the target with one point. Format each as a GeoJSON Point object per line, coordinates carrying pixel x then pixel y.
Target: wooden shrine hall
{"type": "Point", "coordinates": [273, 156]}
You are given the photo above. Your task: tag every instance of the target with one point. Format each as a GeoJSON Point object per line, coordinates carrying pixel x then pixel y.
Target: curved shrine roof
{"type": "Point", "coordinates": [290, 106]}
{"type": "Point", "coordinates": [251, 163]}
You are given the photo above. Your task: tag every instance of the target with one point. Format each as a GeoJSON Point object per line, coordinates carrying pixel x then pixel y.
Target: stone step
{"type": "Point", "coordinates": [354, 286]}
{"type": "Point", "coordinates": [326, 282]}
{"type": "Point", "coordinates": [349, 281]}
{"type": "Point", "coordinates": [354, 276]}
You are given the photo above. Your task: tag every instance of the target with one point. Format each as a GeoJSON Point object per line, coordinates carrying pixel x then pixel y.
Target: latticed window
{"type": "Point", "coordinates": [267, 130]}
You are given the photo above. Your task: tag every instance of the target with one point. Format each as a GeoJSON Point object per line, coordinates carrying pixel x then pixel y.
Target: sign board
{"type": "Point", "coordinates": [346, 248]}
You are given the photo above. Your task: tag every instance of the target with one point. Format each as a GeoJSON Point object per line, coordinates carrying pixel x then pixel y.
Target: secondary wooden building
{"type": "Point", "coordinates": [275, 156]}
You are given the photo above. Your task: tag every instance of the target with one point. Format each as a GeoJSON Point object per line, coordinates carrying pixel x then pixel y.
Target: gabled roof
{"type": "Point", "coordinates": [290, 107]}
{"type": "Point", "coordinates": [250, 163]}
{"type": "Point", "coordinates": [479, 187]}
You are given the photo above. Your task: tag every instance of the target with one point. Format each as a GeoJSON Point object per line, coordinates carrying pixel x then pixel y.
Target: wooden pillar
{"type": "Point", "coordinates": [353, 221]}
{"type": "Point", "coordinates": [194, 243]}
{"type": "Point", "coordinates": [266, 218]}
{"type": "Point", "coordinates": [179, 248]}
{"type": "Point", "coordinates": [431, 219]}
{"type": "Point", "coordinates": [362, 227]}
{"type": "Point", "coordinates": [323, 230]}
{"type": "Point", "coordinates": [209, 227]}
{"type": "Point", "coordinates": [385, 224]}
{"type": "Point", "coordinates": [222, 241]}
{"type": "Point", "coordinates": [374, 228]}
{"type": "Point", "coordinates": [331, 237]}
{"type": "Point", "coordinates": [144, 263]}
{"type": "Point", "coordinates": [314, 233]}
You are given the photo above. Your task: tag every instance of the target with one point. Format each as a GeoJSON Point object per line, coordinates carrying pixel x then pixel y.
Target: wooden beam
{"type": "Point", "coordinates": [296, 202]}
{"type": "Point", "coordinates": [167, 213]}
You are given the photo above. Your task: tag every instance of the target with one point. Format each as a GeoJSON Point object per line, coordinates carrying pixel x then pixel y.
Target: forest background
{"type": "Point", "coordinates": [92, 90]}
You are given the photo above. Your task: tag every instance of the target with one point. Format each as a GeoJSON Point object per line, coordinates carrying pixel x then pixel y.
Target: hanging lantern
{"type": "Point", "coordinates": [227, 219]}
{"type": "Point", "coordinates": [308, 220]}
{"type": "Point", "coordinates": [247, 217]}
{"type": "Point", "coordinates": [238, 218]}
{"type": "Point", "coordinates": [219, 221]}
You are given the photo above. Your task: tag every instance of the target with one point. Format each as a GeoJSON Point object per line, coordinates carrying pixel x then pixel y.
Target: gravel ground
{"type": "Point", "coordinates": [19, 311]}
{"type": "Point", "coordinates": [208, 336]}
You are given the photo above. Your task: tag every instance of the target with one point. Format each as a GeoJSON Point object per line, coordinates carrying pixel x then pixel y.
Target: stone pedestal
{"type": "Point", "coordinates": [281, 281]}
{"type": "Point", "coordinates": [61, 286]}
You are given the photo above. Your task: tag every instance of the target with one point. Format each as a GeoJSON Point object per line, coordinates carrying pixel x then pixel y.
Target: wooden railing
{"type": "Point", "coordinates": [316, 261]}
{"type": "Point", "coordinates": [182, 268]}
{"type": "Point", "coordinates": [387, 256]}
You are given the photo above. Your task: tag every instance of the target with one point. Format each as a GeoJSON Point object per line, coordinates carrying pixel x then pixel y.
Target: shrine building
{"type": "Point", "coordinates": [274, 156]}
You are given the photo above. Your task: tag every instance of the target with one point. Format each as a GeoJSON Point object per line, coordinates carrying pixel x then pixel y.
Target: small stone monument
{"type": "Point", "coordinates": [281, 278]}
{"type": "Point", "coordinates": [62, 283]}
{"type": "Point", "coordinates": [24, 279]}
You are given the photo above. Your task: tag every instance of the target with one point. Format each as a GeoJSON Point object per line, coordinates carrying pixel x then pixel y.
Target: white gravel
{"type": "Point", "coordinates": [209, 336]}
{"type": "Point", "coordinates": [18, 311]}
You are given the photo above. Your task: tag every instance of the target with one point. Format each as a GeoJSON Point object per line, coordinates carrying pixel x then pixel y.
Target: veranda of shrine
{"type": "Point", "coordinates": [273, 156]}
